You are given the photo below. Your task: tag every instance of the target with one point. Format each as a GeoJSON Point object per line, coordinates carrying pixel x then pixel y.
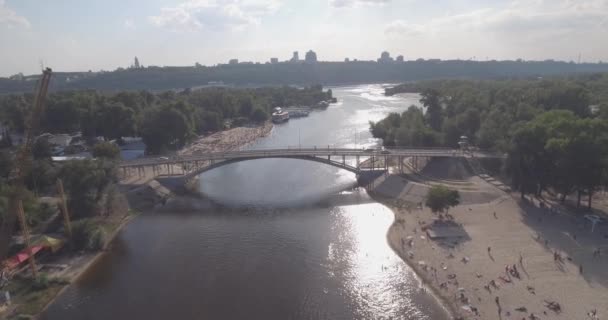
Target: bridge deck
{"type": "Point", "coordinates": [307, 152]}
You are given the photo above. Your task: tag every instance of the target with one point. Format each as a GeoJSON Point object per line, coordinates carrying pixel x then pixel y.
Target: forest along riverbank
{"type": "Point", "coordinates": [502, 258]}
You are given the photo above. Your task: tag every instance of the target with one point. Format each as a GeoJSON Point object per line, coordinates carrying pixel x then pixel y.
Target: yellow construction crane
{"type": "Point", "coordinates": [20, 170]}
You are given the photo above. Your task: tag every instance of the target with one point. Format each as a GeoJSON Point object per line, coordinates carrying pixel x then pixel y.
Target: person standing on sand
{"type": "Point", "coordinates": [498, 305]}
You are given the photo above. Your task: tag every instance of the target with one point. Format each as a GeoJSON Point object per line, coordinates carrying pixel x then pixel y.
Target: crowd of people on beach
{"type": "Point", "coordinates": [512, 273]}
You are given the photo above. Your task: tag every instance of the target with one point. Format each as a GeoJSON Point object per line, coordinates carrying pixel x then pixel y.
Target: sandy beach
{"type": "Point", "coordinates": [221, 141]}
{"type": "Point", "coordinates": [226, 140]}
{"type": "Point", "coordinates": [498, 229]}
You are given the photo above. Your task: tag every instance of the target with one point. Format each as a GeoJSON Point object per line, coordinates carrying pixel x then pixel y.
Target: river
{"type": "Point", "coordinates": [296, 241]}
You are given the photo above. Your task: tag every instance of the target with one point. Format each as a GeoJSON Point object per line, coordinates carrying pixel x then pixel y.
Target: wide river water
{"type": "Point", "coordinates": [297, 242]}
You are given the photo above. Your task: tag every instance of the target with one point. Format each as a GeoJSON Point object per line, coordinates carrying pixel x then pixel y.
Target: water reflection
{"type": "Point", "coordinates": [305, 249]}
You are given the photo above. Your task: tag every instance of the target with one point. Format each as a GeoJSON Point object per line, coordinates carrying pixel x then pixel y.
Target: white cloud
{"type": "Point", "coordinates": [10, 18]}
{"type": "Point", "coordinates": [214, 14]}
{"type": "Point", "coordinates": [355, 3]}
{"type": "Point", "coordinates": [525, 19]}
{"type": "Point", "coordinates": [403, 28]}
{"type": "Point", "coordinates": [129, 24]}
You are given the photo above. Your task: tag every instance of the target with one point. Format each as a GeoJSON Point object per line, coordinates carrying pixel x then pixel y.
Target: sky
{"type": "Point", "coordinates": [82, 35]}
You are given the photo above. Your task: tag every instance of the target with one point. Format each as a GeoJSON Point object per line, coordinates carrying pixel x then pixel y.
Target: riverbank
{"type": "Point", "coordinates": [468, 273]}
{"type": "Point", "coordinates": [57, 273]}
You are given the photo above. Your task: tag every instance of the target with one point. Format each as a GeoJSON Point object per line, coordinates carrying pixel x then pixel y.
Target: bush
{"type": "Point", "coordinates": [259, 115]}
{"type": "Point", "coordinates": [41, 283]}
{"type": "Point", "coordinates": [87, 235]}
{"type": "Point", "coordinates": [106, 150]}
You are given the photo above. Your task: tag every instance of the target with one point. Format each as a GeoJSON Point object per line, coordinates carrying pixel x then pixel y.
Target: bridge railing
{"type": "Point", "coordinates": [300, 151]}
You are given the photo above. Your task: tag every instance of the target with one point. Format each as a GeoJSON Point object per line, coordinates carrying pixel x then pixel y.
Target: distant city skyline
{"type": "Point", "coordinates": [72, 35]}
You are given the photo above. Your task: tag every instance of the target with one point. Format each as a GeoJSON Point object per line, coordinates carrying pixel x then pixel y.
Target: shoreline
{"type": "Point", "coordinates": [93, 259]}
{"type": "Point", "coordinates": [467, 275]}
{"type": "Point", "coordinates": [220, 141]}
{"type": "Point", "coordinates": [392, 232]}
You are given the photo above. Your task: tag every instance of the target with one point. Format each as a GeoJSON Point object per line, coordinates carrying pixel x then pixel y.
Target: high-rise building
{"type": "Point", "coordinates": [233, 61]}
{"type": "Point", "coordinates": [399, 58]}
{"type": "Point", "coordinates": [296, 57]}
{"type": "Point", "coordinates": [274, 60]}
{"type": "Point", "coordinates": [311, 56]}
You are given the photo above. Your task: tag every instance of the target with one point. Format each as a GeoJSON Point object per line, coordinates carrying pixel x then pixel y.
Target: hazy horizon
{"type": "Point", "coordinates": [69, 35]}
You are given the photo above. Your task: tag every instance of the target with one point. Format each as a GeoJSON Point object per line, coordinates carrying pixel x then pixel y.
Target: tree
{"type": "Point", "coordinates": [62, 116]}
{"type": "Point", "coordinates": [440, 198]}
{"type": "Point", "coordinates": [136, 63]}
{"type": "Point", "coordinates": [84, 182]}
{"type": "Point", "coordinates": [208, 121]}
{"type": "Point", "coordinates": [107, 150]}
{"type": "Point", "coordinates": [245, 106]}
{"type": "Point", "coordinates": [430, 99]}
{"type": "Point", "coordinates": [6, 164]}
{"type": "Point", "coordinates": [259, 115]}
{"type": "Point", "coordinates": [114, 121]}
{"type": "Point", "coordinates": [165, 129]}
{"type": "Point", "coordinates": [42, 149]}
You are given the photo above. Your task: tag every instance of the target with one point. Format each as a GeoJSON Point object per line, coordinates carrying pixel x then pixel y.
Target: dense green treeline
{"type": "Point", "coordinates": [165, 120]}
{"type": "Point", "coordinates": [167, 78]}
{"type": "Point", "coordinates": [555, 131]}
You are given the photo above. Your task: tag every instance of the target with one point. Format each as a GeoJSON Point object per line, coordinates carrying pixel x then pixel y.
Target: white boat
{"type": "Point", "coordinates": [279, 115]}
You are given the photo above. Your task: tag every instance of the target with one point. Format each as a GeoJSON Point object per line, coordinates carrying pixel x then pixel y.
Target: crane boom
{"type": "Point", "coordinates": [23, 161]}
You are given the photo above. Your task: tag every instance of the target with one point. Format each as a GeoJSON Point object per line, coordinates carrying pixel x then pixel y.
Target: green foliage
{"type": "Point", "coordinates": [85, 182]}
{"type": "Point", "coordinates": [42, 149]}
{"type": "Point", "coordinates": [440, 198]}
{"type": "Point", "coordinates": [560, 150]}
{"type": "Point", "coordinates": [407, 129]}
{"type": "Point", "coordinates": [88, 235]}
{"type": "Point", "coordinates": [166, 121]}
{"type": "Point", "coordinates": [62, 116]}
{"type": "Point", "coordinates": [545, 126]}
{"type": "Point", "coordinates": [35, 211]}
{"type": "Point", "coordinates": [166, 128]}
{"type": "Point", "coordinates": [6, 164]}
{"type": "Point", "coordinates": [259, 115]}
{"type": "Point", "coordinates": [41, 283]}
{"type": "Point", "coordinates": [114, 121]}
{"type": "Point", "coordinates": [107, 150]}
{"type": "Point", "coordinates": [41, 176]}
{"type": "Point", "coordinates": [430, 99]}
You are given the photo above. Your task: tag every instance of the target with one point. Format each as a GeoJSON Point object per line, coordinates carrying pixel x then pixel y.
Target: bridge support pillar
{"type": "Point", "coordinates": [415, 163]}
{"type": "Point", "coordinates": [343, 160]}
{"type": "Point", "coordinates": [373, 163]}
{"type": "Point", "coordinates": [328, 157]}
{"type": "Point", "coordinates": [385, 162]}
{"type": "Point", "coordinates": [400, 159]}
{"type": "Point", "coordinates": [357, 162]}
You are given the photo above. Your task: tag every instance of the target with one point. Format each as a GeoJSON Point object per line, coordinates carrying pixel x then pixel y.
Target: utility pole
{"type": "Point", "coordinates": [64, 209]}
{"type": "Point", "coordinates": [26, 237]}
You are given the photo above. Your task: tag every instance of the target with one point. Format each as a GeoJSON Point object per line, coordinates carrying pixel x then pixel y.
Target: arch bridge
{"type": "Point", "coordinates": [188, 166]}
